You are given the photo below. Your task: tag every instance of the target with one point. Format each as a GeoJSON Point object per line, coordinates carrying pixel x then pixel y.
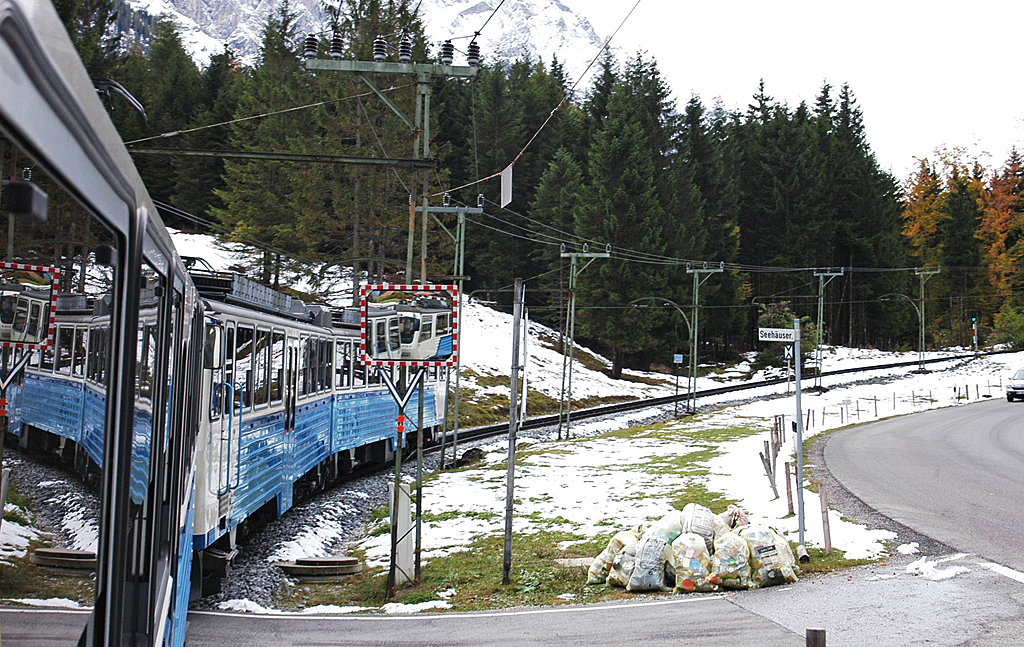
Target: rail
{"type": "Point", "coordinates": [636, 405]}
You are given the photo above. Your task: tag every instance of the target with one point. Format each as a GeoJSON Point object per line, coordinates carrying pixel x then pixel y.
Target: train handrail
{"type": "Point", "coordinates": [230, 414]}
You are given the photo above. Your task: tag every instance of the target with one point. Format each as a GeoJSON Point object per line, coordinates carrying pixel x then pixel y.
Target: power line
{"type": "Point", "coordinates": [175, 133]}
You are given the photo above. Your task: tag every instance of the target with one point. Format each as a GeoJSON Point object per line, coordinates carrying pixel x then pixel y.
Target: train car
{"type": "Point", "coordinates": [130, 372]}
{"type": "Point", "coordinates": [24, 313]}
{"type": "Point", "coordinates": [197, 408]}
{"type": "Point", "coordinates": [287, 408]}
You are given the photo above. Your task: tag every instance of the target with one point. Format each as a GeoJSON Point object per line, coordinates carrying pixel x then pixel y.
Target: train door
{"type": "Point", "coordinates": [229, 406]}
{"type": "Point", "coordinates": [291, 374]}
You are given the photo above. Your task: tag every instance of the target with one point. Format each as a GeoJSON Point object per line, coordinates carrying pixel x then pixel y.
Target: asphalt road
{"type": "Point", "coordinates": [956, 475]}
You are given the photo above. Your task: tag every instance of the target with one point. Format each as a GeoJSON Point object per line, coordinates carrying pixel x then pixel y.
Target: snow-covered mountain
{"type": "Point", "coordinates": [541, 29]}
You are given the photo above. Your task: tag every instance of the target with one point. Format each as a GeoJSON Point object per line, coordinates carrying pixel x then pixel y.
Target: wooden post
{"type": "Point", "coordinates": [824, 517]}
{"type": "Point", "coordinates": [789, 489]}
{"type": "Point", "coordinates": [766, 460]}
{"type": "Point", "coordinates": [815, 637]}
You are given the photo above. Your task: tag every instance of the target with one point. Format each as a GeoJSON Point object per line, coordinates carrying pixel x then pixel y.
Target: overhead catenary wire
{"type": "Point", "coordinates": [175, 133]}
{"type": "Point", "coordinates": [568, 93]}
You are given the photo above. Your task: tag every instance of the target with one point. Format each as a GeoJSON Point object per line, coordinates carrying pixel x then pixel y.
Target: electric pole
{"type": "Point", "coordinates": [424, 74]}
{"type": "Point", "coordinates": [691, 403]}
{"type": "Point", "coordinates": [823, 279]}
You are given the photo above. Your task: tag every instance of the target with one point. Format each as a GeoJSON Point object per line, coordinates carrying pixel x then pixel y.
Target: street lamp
{"type": "Point", "coordinates": [691, 381]}
{"type": "Point", "coordinates": [920, 319]}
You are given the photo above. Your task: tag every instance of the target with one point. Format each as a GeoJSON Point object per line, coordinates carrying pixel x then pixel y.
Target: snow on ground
{"type": "Point", "coordinates": [14, 538]}
{"type": "Point", "coordinates": [605, 484]}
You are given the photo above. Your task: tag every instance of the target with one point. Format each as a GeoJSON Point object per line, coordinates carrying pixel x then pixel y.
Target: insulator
{"type": "Point", "coordinates": [26, 174]}
{"type": "Point", "coordinates": [608, 248]}
{"type": "Point", "coordinates": [447, 200]}
{"type": "Point", "coordinates": [337, 47]}
{"type": "Point", "coordinates": [447, 52]}
{"type": "Point", "coordinates": [705, 265]}
{"type": "Point", "coordinates": [380, 49]}
{"type": "Point", "coordinates": [586, 248]}
{"type": "Point", "coordinates": [480, 200]}
{"type": "Point", "coordinates": [405, 50]}
{"type": "Point", "coordinates": [563, 248]}
{"type": "Point", "coordinates": [309, 49]}
{"type": "Point", "coordinates": [473, 54]}
{"type": "Point", "coordinates": [721, 265]}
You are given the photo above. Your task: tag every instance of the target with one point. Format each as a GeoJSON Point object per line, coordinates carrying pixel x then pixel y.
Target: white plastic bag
{"type": "Point", "coordinates": [653, 558]}
{"type": "Point", "coordinates": [622, 566]}
{"type": "Point", "coordinates": [730, 567]}
{"type": "Point", "coordinates": [700, 521]}
{"type": "Point", "coordinates": [602, 564]}
{"type": "Point", "coordinates": [692, 563]}
{"type": "Point", "coordinates": [668, 527]}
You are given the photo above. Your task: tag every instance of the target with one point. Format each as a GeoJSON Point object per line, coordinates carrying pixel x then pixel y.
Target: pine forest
{"type": "Point", "coordinates": [760, 209]}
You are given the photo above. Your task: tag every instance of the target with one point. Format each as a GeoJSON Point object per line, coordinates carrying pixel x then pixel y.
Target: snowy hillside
{"type": "Point", "coordinates": [535, 28]}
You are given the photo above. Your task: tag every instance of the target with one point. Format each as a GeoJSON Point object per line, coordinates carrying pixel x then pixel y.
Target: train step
{"type": "Point", "coordinates": [65, 560]}
{"type": "Point", "coordinates": [321, 568]}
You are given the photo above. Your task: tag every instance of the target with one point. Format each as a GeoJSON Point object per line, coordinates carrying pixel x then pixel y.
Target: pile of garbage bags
{"type": "Point", "coordinates": [694, 549]}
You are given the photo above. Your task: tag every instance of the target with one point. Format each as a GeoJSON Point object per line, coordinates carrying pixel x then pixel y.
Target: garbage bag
{"type": "Point", "coordinates": [730, 566]}
{"type": "Point", "coordinates": [734, 517]}
{"type": "Point", "coordinates": [622, 566]}
{"type": "Point", "coordinates": [790, 567]}
{"type": "Point", "coordinates": [700, 521]}
{"type": "Point", "coordinates": [692, 563]}
{"type": "Point", "coordinates": [653, 557]}
{"type": "Point", "coordinates": [602, 564]}
{"type": "Point", "coordinates": [668, 527]}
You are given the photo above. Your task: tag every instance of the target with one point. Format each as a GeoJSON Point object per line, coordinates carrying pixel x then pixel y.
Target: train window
{"type": "Point", "coordinates": [8, 304]}
{"type": "Point", "coordinates": [222, 403]}
{"type": "Point", "coordinates": [358, 372]}
{"type": "Point", "coordinates": [244, 363]}
{"type": "Point", "coordinates": [342, 364]}
{"type": "Point", "coordinates": [21, 316]}
{"type": "Point", "coordinates": [407, 329]}
{"type": "Point", "coordinates": [394, 336]}
{"type": "Point", "coordinates": [78, 359]}
{"type": "Point", "coordinates": [328, 367]}
{"type": "Point", "coordinates": [145, 361]}
{"type": "Point", "coordinates": [443, 325]}
{"type": "Point", "coordinates": [426, 328]}
{"type": "Point", "coordinates": [46, 358]}
{"type": "Point", "coordinates": [382, 339]}
{"type": "Point", "coordinates": [303, 366]}
{"type": "Point", "coordinates": [261, 368]}
{"type": "Point", "coordinates": [96, 367]}
{"type": "Point", "coordinates": [34, 321]}
{"type": "Point", "coordinates": [276, 366]}
{"type": "Point", "coordinates": [212, 350]}
{"type": "Point", "coordinates": [65, 348]}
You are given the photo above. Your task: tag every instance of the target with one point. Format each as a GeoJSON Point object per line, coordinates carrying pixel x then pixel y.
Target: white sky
{"type": "Point", "coordinates": [926, 74]}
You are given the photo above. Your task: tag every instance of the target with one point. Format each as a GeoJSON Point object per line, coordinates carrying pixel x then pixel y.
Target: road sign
{"type": "Point", "coordinates": [677, 358]}
{"type": "Point", "coordinates": [776, 334]}
{"type": "Point", "coordinates": [788, 352]}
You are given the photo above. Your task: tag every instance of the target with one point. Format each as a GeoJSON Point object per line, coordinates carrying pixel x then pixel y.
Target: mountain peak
{"type": "Point", "coordinates": [538, 29]}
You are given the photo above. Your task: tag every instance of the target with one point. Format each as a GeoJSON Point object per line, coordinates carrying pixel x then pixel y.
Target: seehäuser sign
{"type": "Point", "coordinates": [776, 334]}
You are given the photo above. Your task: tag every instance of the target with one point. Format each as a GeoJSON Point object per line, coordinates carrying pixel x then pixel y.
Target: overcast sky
{"type": "Point", "coordinates": [925, 74]}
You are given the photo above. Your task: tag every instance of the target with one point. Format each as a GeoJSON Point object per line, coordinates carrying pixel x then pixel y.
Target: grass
{"type": "Point", "coordinates": [536, 578]}
{"type": "Point", "coordinates": [20, 578]}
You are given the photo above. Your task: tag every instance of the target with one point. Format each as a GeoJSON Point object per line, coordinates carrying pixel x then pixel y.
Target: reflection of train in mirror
{"type": "Point", "coordinates": [24, 313]}
{"type": "Point", "coordinates": [409, 333]}
{"type": "Point", "coordinates": [410, 323]}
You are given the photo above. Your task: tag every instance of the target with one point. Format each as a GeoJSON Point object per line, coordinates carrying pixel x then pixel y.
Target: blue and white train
{"type": "Point", "coordinates": [195, 407]}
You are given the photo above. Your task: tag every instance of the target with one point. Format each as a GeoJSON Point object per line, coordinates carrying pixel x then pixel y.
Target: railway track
{"type": "Point", "coordinates": [498, 429]}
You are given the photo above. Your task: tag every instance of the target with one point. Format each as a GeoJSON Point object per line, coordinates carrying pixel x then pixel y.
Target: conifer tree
{"type": "Point", "coordinates": [257, 194]}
